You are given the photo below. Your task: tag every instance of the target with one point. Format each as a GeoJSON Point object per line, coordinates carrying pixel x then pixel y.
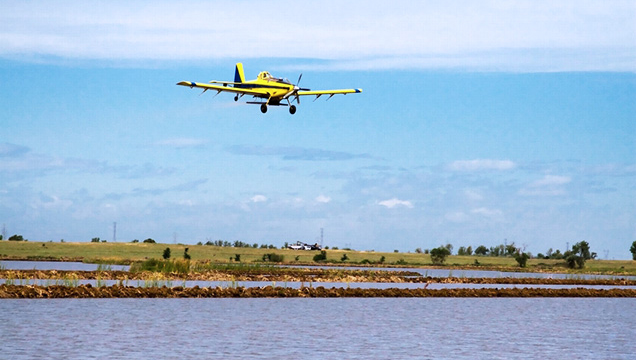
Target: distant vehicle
{"type": "Point", "coordinates": [299, 245]}
{"type": "Point", "coordinates": [296, 246]}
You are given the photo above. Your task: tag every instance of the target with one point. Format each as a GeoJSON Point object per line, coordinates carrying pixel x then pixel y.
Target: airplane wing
{"type": "Point", "coordinates": [218, 88]}
{"type": "Point", "coordinates": [331, 93]}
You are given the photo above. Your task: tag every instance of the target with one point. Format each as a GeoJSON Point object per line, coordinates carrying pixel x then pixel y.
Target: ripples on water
{"type": "Point", "coordinates": [401, 328]}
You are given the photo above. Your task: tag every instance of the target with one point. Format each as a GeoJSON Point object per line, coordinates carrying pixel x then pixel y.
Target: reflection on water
{"type": "Point", "coordinates": [298, 285]}
{"type": "Point", "coordinates": [78, 266]}
{"type": "Point", "coordinates": [476, 273]}
{"type": "Point", "coordinates": [56, 265]}
{"type": "Point", "coordinates": [402, 328]}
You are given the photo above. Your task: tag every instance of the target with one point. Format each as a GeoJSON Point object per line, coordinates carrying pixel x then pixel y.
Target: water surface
{"type": "Point", "coordinates": [56, 265]}
{"type": "Point", "coordinates": [401, 328]}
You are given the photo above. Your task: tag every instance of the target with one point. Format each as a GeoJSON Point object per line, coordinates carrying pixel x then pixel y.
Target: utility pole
{"type": "Point", "coordinates": [115, 231]}
{"type": "Point", "coordinates": [4, 232]}
{"type": "Point", "coordinates": [321, 236]}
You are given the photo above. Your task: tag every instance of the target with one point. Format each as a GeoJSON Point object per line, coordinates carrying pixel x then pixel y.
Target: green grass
{"type": "Point", "coordinates": [126, 253]}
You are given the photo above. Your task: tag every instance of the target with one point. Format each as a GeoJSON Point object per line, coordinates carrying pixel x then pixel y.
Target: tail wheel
{"type": "Point", "coordinates": [292, 109]}
{"type": "Point", "coordinates": [264, 108]}
{"type": "Point", "coordinates": [236, 98]}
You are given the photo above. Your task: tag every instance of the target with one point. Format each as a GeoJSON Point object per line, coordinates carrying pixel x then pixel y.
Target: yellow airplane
{"type": "Point", "coordinates": [272, 91]}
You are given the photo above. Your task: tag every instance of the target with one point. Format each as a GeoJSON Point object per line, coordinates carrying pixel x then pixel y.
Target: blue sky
{"type": "Point", "coordinates": [479, 123]}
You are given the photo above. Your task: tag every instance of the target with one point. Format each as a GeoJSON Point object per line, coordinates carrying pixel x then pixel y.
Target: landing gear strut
{"type": "Point", "coordinates": [292, 109]}
{"type": "Point", "coordinates": [263, 108]}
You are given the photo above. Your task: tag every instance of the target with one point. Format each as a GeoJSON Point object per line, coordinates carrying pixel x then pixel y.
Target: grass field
{"type": "Point", "coordinates": [124, 253]}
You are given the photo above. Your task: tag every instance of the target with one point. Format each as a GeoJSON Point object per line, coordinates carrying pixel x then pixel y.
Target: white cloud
{"type": "Point", "coordinates": [551, 180]}
{"type": "Point", "coordinates": [391, 203]}
{"type": "Point", "coordinates": [323, 199]}
{"type": "Point", "coordinates": [549, 185]}
{"type": "Point", "coordinates": [481, 164]}
{"type": "Point", "coordinates": [491, 35]}
{"type": "Point", "coordinates": [258, 198]}
{"type": "Point", "coordinates": [473, 195]}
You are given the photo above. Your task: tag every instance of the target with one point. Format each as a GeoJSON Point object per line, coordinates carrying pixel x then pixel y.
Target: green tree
{"type": "Point", "coordinates": [344, 257]}
{"type": "Point", "coordinates": [633, 250]}
{"type": "Point", "coordinates": [481, 250]}
{"type": "Point", "coordinates": [166, 253]}
{"type": "Point", "coordinates": [521, 258]}
{"type": "Point", "coordinates": [450, 248]}
{"type": "Point", "coordinates": [580, 252]}
{"type": "Point", "coordinates": [16, 238]}
{"type": "Point", "coordinates": [439, 254]}
{"type": "Point", "coordinates": [186, 255]}
{"type": "Point", "coordinates": [149, 241]}
{"type": "Point", "coordinates": [95, 239]}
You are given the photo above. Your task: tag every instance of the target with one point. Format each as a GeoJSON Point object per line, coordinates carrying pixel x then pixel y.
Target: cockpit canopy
{"type": "Point", "coordinates": [265, 75]}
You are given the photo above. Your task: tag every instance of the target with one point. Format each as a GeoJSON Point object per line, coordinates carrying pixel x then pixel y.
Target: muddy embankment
{"type": "Point", "coordinates": [116, 291]}
{"type": "Point", "coordinates": [299, 275]}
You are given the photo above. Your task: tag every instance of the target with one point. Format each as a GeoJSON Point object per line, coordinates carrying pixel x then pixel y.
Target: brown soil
{"type": "Point", "coordinates": [300, 275]}
{"type": "Point", "coordinates": [88, 291]}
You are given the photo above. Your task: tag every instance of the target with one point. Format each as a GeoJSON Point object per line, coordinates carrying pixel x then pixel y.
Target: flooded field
{"type": "Point", "coordinates": [56, 265]}
{"type": "Point", "coordinates": [429, 328]}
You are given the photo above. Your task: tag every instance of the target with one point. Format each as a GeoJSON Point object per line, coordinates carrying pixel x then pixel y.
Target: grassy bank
{"type": "Point", "coordinates": [126, 253]}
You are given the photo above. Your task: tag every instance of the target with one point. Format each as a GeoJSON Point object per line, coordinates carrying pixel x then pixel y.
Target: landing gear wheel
{"type": "Point", "coordinates": [292, 109]}
{"type": "Point", "coordinates": [264, 108]}
{"type": "Point", "coordinates": [236, 98]}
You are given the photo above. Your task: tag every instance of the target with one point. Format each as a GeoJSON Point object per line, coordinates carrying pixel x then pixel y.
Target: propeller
{"type": "Point", "coordinates": [297, 88]}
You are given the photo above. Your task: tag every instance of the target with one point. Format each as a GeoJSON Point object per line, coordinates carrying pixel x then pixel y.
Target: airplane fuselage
{"type": "Point", "coordinates": [267, 88]}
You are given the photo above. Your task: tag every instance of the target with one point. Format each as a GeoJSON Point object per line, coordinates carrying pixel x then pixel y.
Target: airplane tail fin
{"type": "Point", "coordinates": [239, 77]}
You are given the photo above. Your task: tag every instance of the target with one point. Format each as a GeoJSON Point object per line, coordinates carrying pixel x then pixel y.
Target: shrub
{"type": "Point", "coordinates": [272, 257]}
{"type": "Point", "coordinates": [633, 250]}
{"type": "Point", "coordinates": [166, 253]}
{"type": "Point", "coordinates": [521, 258]}
{"type": "Point", "coordinates": [95, 240]}
{"type": "Point", "coordinates": [16, 238]}
{"type": "Point", "coordinates": [320, 257]}
{"type": "Point", "coordinates": [237, 257]}
{"type": "Point", "coordinates": [150, 241]}
{"type": "Point", "coordinates": [186, 256]}
{"type": "Point", "coordinates": [575, 261]}
{"type": "Point", "coordinates": [439, 254]}
{"type": "Point", "coordinates": [164, 266]}
{"type": "Point", "coordinates": [344, 257]}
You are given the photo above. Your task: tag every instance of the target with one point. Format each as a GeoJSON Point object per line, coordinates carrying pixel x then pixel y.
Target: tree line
{"type": "Point", "coordinates": [574, 257]}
